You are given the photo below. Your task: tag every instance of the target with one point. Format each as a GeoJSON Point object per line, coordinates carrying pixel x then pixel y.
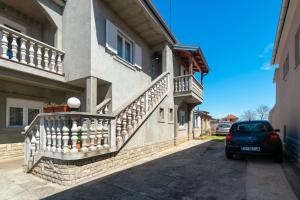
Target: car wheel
{"type": "Point", "coordinates": [278, 157]}
{"type": "Point", "coordinates": [229, 155]}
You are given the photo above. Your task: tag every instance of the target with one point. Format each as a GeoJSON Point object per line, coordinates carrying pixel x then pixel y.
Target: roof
{"type": "Point", "coordinates": [160, 20]}
{"type": "Point", "coordinates": [281, 22]}
{"type": "Point", "coordinates": [230, 116]}
{"type": "Point", "coordinates": [185, 51]}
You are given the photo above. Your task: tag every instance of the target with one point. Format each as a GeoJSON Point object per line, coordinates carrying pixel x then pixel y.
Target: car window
{"type": "Point", "coordinates": [251, 127]}
{"type": "Point", "coordinates": [224, 125]}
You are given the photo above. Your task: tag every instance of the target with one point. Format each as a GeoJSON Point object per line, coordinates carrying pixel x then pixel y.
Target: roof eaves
{"type": "Point", "coordinates": [280, 26]}
{"type": "Point", "coordinates": [160, 20]}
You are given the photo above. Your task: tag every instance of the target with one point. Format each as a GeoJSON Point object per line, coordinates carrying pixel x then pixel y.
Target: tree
{"type": "Point", "coordinates": [249, 115]}
{"type": "Point", "coordinates": [262, 111]}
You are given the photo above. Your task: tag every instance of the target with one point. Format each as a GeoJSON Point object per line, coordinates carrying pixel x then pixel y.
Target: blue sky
{"type": "Point", "coordinates": [236, 37]}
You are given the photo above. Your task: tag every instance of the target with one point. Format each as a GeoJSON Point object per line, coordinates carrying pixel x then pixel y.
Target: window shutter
{"type": "Point", "coordinates": [137, 56]}
{"type": "Point", "coordinates": [111, 37]}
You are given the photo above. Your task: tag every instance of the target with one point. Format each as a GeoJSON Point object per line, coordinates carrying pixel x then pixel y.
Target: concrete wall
{"type": "Point", "coordinates": [126, 80]}
{"type": "Point", "coordinates": [286, 114]}
{"type": "Point", "coordinates": [77, 39]}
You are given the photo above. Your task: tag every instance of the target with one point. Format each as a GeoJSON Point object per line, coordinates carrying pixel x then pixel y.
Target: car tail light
{"type": "Point", "coordinates": [273, 137]}
{"type": "Point", "coordinates": [229, 137]}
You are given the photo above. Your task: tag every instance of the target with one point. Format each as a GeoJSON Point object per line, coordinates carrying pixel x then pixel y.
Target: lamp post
{"type": "Point", "coordinates": [73, 103]}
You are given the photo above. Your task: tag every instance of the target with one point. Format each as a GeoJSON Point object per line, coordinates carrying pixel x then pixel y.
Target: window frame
{"type": "Point", "coordinates": [171, 115]}
{"type": "Point", "coordinates": [125, 39]}
{"type": "Point", "coordinates": [286, 67]}
{"type": "Point", "coordinates": [25, 105]}
{"type": "Point", "coordinates": [181, 116]}
{"type": "Point", "coordinates": [161, 118]}
{"type": "Point", "coordinates": [297, 48]}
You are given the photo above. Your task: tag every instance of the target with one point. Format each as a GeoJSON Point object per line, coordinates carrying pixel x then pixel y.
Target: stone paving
{"type": "Point", "coordinates": [194, 170]}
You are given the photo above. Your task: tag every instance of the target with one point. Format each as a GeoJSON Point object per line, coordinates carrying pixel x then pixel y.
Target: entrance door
{"type": "Point", "coordinates": [156, 65]}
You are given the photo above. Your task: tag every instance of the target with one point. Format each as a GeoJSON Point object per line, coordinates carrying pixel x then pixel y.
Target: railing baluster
{"type": "Point", "coordinates": [23, 51]}
{"type": "Point", "coordinates": [99, 134]}
{"type": "Point", "coordinates": [124, 126]}
{"type": "Point", "coordinates": [14, 47]}
{"type": "Point", "coordinates": [46, 58]}
{"type": "Point", "coordinates": [59, 64]}
{"type": "Point", "coordinates": [105, 134]}
{"type": "Point", "coordinates": [66, 136]}
{"type": "Point", "coordinates": [49, 144]}
{"type": "Point", "coordinates": [39, 56]}
{"type": "Point", "coordinates": [31, 53]}
{"type": "Point", "coordinates": [129, 120]}
{"type": "Point", "coordinates": [37, 137]}
{"type": "Point", "coordinates": [53, 135]}
{"type": "Point", "coordinates": [58, 136]}
{"type": "Point", "coordinates": [52, 61]}
{"type": "Point", "coordinates": [74, 137]}
{"type": "Point", "coordinates": [84, 135]}
{"type": "Point", "coordinates": [92, 135]}
{"type": "Point", "coordinates": [119, 128]}
{"type": "Point", "coordinates": [134, 122]}
{"type": "Point", "coordinates": [4, 44]}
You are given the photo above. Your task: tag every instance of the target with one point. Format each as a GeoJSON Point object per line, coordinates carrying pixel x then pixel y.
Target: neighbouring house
{"type": "Point", "coordinates": [230, 118]}
{"type": "Point", "coordinates": [136, 85]}
{"type": "Point", "coordinates": [285, 115]}
{"type": "Point", "coordinates": [202, 123]}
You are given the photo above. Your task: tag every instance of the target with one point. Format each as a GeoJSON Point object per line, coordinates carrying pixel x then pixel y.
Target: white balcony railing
{"type": "Point", "coordinates": [25, 50]}
{"type": "Point", "coordinates": [186, 84]}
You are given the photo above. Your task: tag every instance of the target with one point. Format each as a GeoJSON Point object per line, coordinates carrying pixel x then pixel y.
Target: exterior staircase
{"type": "Point", "coordinates": [78, 135]}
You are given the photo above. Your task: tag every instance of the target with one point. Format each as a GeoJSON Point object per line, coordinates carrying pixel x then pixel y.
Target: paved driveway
{"type": "Point", "coordinates": [200, 172]}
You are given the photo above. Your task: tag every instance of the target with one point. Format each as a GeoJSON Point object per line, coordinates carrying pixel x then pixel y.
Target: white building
{"type": "Point", "coordinates": [136, 85]}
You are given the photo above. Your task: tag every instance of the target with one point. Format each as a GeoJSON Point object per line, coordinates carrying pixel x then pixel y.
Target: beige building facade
{"type": "Point", "coordinates": [285, 114]}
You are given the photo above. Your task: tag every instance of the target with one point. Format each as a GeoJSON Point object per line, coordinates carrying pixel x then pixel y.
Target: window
{"type": "Point", "coordinates": [117, 43]}
{"type": "Point", "coordinates": [181, 119]}
{"type": "Point", "coordinates": [15, 116]}
{"type": "Point", "coordinates": [21, 112]}
{"type": "Point", "coordinates": [161, 115]}
{"type": "Point", "coordinates": [297, 48]}
{"type": "Point", "coordinates": [286, 67]}
{"type": "Point", "coordinates": [124, 48]}
{"type": "Point", "coordinates": [171, 115]}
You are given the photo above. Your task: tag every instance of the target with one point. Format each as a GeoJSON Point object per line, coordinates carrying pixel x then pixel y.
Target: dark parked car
{"type": "Point", "coordinates": [253, 137]}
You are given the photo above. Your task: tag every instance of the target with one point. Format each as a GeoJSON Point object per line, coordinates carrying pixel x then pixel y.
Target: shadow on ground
{"type": "Point", "coordinates": [200, 172]}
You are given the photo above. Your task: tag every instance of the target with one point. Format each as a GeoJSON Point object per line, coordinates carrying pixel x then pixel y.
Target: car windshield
{"type": "Point", "coordinates": [224, 126]}
{"type": "Point", "coordinates": [251, 127]}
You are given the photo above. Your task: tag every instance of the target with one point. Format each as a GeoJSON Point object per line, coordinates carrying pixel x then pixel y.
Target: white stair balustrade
{"type": "Point", "coordinates": [60, 133]}
{"type": "Point", "coordinates": [134, 114]}
{"type": "Point", "coordinates": [28, 51]}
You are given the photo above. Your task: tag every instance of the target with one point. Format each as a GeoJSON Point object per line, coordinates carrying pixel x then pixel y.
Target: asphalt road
{"type": "Point", "coordinates": [201, 172]}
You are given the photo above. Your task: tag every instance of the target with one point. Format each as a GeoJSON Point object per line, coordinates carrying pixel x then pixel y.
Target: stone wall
{"type": "Point", "coordinates": [11, 150]}
{"type": "Point", "coordinates": [72, 172]}
{"type": "Point", "coordinates": [181, 139]}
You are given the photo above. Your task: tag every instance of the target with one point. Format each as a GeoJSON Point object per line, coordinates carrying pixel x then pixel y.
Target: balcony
{"type": "Point", "coordinates": [25, 54]}
{"type": "Point", "coordinates": [188, 89]}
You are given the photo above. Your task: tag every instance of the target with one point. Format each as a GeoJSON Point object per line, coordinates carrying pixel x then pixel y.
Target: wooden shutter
{"type": "Point", "coordinates": [137, 56]}
{"type": "Point", "coordinates": [111, 37]}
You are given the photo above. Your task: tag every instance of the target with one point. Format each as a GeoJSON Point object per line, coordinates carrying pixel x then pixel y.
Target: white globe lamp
{"type": "Point", "coordinates": [73, 103]}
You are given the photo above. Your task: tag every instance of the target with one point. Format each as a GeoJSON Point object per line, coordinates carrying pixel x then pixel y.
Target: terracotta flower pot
{"type": "Point", "coordinates": [61, 108]}
{"type": "Point", "coordinates": [48, 109]}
